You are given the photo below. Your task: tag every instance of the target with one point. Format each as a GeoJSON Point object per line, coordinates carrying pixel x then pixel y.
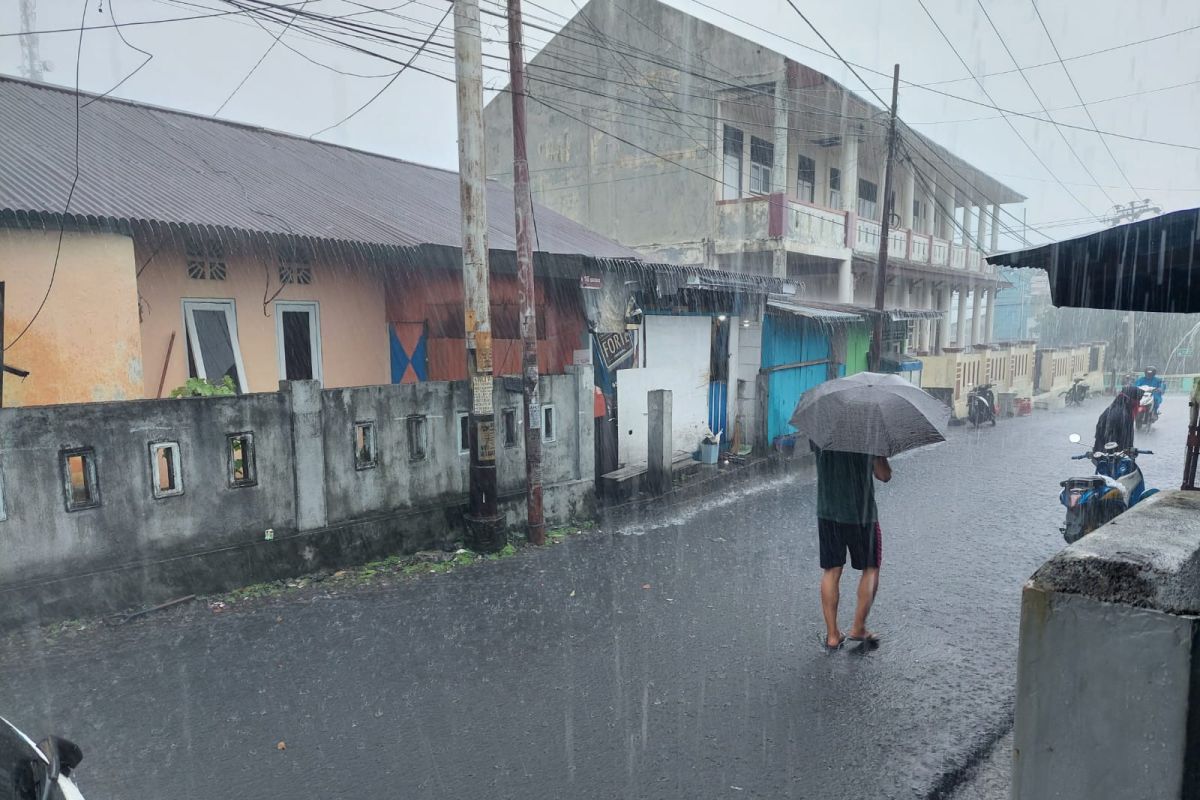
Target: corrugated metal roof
{"type": "Point", "coordinates": [144, 163]}
{"type": "Point", "coordinates": [814, 312]}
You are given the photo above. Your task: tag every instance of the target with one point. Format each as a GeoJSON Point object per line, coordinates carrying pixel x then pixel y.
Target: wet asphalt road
{"type": "Point", "coordinates": [677, 659]}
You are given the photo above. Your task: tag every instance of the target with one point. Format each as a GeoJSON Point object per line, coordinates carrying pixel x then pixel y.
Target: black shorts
{"type": "Point", "coordinates": [865, 543]}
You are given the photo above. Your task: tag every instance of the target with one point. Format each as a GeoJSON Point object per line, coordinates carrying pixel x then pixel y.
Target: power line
{"type": "Point", "coordinates": [1038, 97]}
{"type": "Point", "coordinates": [986, 94]}
{"type": "Point", "coordinates": [1091, 119]}
{"type": "Point", "coordinates": [258, 63]}
{"type": "Point", "coordinates": [399, 72]}
{"type": "Point", "coordinates": [112, 13]}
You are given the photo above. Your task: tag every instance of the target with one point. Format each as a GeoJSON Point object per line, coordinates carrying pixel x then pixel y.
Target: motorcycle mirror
{"type": "Point", "coordinates": [1074, 438]}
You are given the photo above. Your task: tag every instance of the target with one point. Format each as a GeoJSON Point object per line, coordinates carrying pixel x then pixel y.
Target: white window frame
{"type": "Point", "coordinates": [176, 470]}
{"type": "Point", "coordinates": [458, 431]}
{"type": "Point", "coordinates": [314, 332]}
{"type": "Point", "coordinates": [229, 309]}
{"type": "Point", "coordinates": [551, 411]}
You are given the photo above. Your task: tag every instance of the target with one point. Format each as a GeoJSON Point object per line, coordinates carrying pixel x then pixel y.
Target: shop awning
{"type": "Point", "coordinates": [827, 315]}
{"type": "Point", "coordinates": [905, 314]}
{"type": "Point", "coordinates": [1149, 265]}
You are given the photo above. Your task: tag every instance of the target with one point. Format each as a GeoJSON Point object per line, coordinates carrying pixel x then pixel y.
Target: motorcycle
{"type": "Point", "coordinates": [1144, 416]}
{"type": "Point", "coordinates": [37, 771]}
{"type": "Point", "coordinates": [981, 405]}
{"type": "Point", "coordinates": [1076, 394]}
{"type": "Point", "coordinates": [1093, 500]}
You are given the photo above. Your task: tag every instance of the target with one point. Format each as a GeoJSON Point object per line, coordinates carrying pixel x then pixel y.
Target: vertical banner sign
{"type": "Point", "coordinates": [481, 394]}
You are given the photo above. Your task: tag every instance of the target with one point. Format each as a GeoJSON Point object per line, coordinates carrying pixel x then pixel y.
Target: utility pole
{"type": "Point", "coordinates": [484, 532]}
{"type": "Point", "coordinates": [1, 344]}
{"type": "Point", "coordinates": [523, 208]}
{"type": "Point", "coordinates": [881, 264]}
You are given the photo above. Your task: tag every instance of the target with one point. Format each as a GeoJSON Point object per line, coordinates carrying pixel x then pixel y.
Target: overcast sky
{"type": "Point", "coordinates": [197, 64]}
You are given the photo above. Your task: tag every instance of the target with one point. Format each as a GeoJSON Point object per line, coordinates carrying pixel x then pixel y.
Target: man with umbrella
{"type": "Point", "coordinates": [854, 425]}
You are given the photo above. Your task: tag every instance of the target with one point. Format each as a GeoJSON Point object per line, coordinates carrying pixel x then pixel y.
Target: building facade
{"type": "Point", "coordinates": [696, 146]}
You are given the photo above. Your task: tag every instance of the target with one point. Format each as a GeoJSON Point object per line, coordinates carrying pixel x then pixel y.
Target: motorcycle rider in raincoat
{"type": "Point", "coordinates": [1152, 379]}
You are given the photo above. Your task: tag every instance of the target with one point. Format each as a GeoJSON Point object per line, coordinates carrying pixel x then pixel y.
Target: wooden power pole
{"type": "Point", "coordinates": [523, 208]}
{"type": "Point", "coordinates": [881, 265]}
{"type": "Point", "coordinates": [484, 530]}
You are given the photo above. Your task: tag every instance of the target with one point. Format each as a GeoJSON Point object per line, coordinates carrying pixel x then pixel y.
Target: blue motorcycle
{"type": "Point", "coordinates": [1094, 500]}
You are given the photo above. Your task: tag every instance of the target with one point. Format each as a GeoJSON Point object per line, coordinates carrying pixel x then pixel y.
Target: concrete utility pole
{"type": "Point", "coordinates": [527, 290]}
{"type": "Point", "coordinates": [484, 532]}
{"type": "Point", "coordinates": [881, 264]}
{"type": "Point", "coordinates": [31, 59]}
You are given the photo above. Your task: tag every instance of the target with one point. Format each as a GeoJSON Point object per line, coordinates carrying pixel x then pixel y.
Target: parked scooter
{"type": "Point", "coordinates": [1094, 500]}
{"type": "Point", "coordinates": [1077, 393]}
{"type": "Point", "coordinates": [40, 771]}
{"type": "Point", "coordinates": [981, 405]}
{"type": "Point", "coordinates": [1144, 416]}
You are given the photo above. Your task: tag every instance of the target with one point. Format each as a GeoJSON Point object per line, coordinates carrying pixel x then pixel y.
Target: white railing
{"type": "Point", "coordinates": [866, 235]}
{"type": "Point", "coordinates": [939, 252]}
{"type": "Point", "coordinates": [958, 256]}
{"type": "Point", "coordinates": [920, 248]}
{"type": "Point", "coordinates": [898, 242]}
{"type": "Point", "coordinates": [815, 226]}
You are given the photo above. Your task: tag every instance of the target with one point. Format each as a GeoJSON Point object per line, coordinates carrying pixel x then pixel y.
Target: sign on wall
{"type": "Point", "coordinates": [614, 347]}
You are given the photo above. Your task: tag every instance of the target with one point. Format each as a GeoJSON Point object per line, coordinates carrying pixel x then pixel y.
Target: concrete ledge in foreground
{"type": "Point", "coordinates": [1109, 661]}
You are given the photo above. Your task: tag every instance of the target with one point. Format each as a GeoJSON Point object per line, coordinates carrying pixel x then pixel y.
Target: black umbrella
{"type": "Point", "coordinates": [871, 413]}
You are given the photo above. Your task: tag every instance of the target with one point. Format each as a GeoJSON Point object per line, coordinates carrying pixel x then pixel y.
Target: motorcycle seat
{"type": "Point", "coordinates": [1088, 482]}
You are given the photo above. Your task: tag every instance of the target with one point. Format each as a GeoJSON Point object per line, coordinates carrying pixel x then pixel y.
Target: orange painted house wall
{"type": "Point", "coordinates": [85, 344]}
{"type": "Point", "coordinates": [353, 322]}
{"type": "Point", "coordinates": [437, 303]}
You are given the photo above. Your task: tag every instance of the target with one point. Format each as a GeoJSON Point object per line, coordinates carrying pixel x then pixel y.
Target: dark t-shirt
{"type": "Point", "coordinates": [846, 487]}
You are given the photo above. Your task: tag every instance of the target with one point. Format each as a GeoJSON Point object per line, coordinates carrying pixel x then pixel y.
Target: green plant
{"type": "Point", "coordinates": [200, 387]}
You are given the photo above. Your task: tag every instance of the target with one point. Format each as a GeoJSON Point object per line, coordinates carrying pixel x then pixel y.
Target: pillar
{"type": "Point", "coordinates": [928, 189]}
{"type": "Point", "coordinates": [905, 199]}
{"type": "Point", "coordinates": [990, 332]}
{"type": "Point", "coordinates": [779, 261]}
{"type": "Point", "coordinates": [926, 325]}
{"type": "Point", "coordinates": [905, 293]}
{"type": "Point", "coordinates": [995, 243]}
{"type": "Point", "coordinates": [846, 281]}
{"type": "Point", "coordinates": [943, 337]}
{"type": "Point", "coordinates": [308, 445]}
{"type": "Point", "coordinates": [780, 167]}
{"type": "Point", "coordinates": [961, 339]}
{"type": "Point", "coordinates": [981, 237]}
{"type": "Point", "coordinates": [976, 307]}
{"type": "Point", "coordinates": [967, 233]}
{"type": "Point", "coordinates": [849, 168]}
{"type": "Point", "coordinates": [659, 448]}
{"type": "Point", "coordinates": [947, 231]}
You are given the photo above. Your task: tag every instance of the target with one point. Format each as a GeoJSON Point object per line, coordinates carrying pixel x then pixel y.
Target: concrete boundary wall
{"type": "Point", "coordinates": [94, 517]}
{"type": "Point", "coordinates": [1108, 672]}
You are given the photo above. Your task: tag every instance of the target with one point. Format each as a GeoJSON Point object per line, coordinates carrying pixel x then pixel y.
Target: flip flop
{"type": "Point", "coordinates": [870, 638]}
{"type": "Point", "coordinates": [832, 648]}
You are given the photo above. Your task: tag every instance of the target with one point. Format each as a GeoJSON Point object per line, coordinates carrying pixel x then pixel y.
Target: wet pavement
{"type": "Point", "coordinates": [676, 659]}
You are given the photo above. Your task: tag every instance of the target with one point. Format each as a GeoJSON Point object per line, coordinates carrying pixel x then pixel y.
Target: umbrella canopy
{"type": "Point", "coordinates": [871, 413]}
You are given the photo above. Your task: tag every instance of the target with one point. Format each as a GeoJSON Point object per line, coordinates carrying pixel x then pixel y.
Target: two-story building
{"type": "Point", "coordinates": [696, 146]}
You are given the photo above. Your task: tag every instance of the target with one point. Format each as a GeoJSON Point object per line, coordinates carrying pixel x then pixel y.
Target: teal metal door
{"type": "Point", "coordinates": [795, 356]}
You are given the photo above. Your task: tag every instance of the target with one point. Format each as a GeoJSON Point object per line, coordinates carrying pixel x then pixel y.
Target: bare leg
{"type": "Point", "coordinates": [830, 579]}
{"type": "Point", "coordinates": [868, 585]}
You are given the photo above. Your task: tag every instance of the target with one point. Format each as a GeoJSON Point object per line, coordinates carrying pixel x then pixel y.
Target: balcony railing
{"type": "Point", "coordinates": [809, 226]}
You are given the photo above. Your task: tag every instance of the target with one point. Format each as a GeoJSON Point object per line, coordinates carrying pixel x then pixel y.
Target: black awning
{"type": "Point", "coordinates": [1149, 265]}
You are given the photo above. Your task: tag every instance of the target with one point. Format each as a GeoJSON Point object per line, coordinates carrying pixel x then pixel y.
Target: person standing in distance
{"type": "Point", "coordinates": [848, 521]}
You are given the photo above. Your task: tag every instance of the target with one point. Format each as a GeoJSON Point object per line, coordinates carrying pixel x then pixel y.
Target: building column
{"type": "Point", "coordinates": [929, 195]}
{"type": "Point", "coordinates": [982, 236]}
{"type": "Point", "coordinates": [780, 167]}
{"type": "Point", "coordinates": [961, 339]}
{"type": "Point", "coordinates": [845, 290]}
{"type": "Point", "coordinates": [946, 228]}
{"type": "Point", "coordinates": [995, 243]}
{"type": "Point", "coordinates": [905, 293]}
{"type": "Point", "coordinates": [925, 326]}
{"type": "Point", "coordinates": [905, 198]}
{"type": "Point", "coordinates": [779, 261]}
{"type": "Point", "coordinates": [976, 308]}
{"type": "Point", "coordinates": [849, 168]}
{"type": "Point", "coordinates": [991, 315]}
{"type": "Point", "coordinates": [943, 331]}
{"type": "Point", "coordinates": [968, 229]}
